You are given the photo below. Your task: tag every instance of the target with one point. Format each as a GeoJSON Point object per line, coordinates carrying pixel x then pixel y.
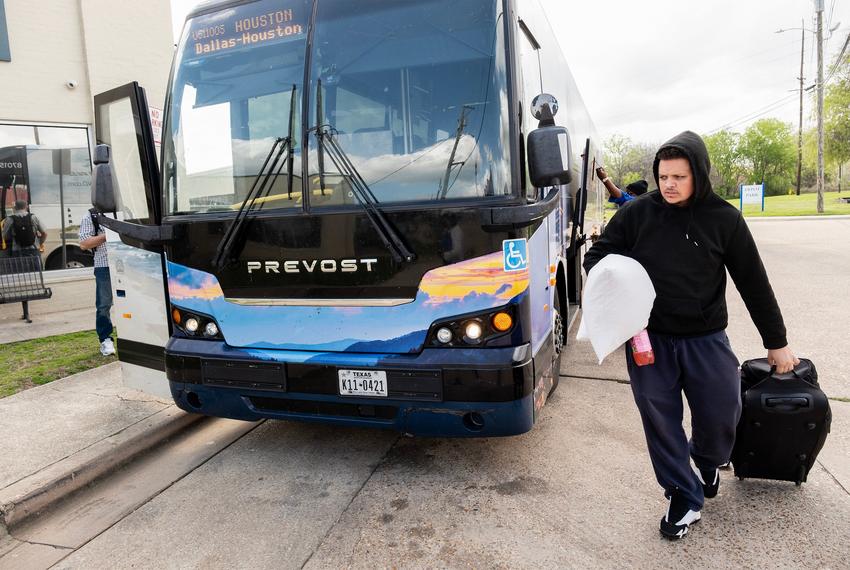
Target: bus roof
{"type": "Point", "coordinates": [213, 5]}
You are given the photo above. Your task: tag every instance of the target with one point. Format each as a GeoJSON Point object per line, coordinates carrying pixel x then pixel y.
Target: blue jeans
{"type": "Point", "coordinates": [26, 252]}
{"type": "Point", "coordinates": [103, 302]}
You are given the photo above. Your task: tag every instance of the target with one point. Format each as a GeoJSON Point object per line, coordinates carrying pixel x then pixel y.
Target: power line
{"type": "Point", "coordinates": [837, 62]}
{"type": "Point", "coordinates": [757, 113]}
{"type": "Point", "coordinates": [714, 78]}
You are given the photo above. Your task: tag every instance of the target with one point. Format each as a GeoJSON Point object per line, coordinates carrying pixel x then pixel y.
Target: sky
{"type": "Point", "coordinates": [650, 69]}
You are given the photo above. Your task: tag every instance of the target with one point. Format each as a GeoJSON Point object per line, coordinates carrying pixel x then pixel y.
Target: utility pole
{"type": "Point", "coordinates": [800, 131]}
{"type": "Point", "coordinates": [819, 10]}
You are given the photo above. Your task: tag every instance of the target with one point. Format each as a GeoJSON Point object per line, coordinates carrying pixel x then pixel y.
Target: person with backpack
{"type": "Point", "coordinates": [24, 232]}
{"type": "Point", "coordinates": [93, 238]}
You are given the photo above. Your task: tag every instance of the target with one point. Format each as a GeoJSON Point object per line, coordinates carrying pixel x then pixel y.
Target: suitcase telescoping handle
{"type": "Point", "coordinates": [787, 402]}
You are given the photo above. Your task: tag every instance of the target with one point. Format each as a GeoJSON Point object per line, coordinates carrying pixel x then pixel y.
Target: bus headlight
{"type": "Point", "coordinates": [196, 325]}
{"type": "Point", "coordinates": [471, 330]}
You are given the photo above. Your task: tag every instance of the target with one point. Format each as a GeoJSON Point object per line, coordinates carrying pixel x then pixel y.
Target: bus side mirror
{"type": "Point", "coordinates": [102, 189]}
{"type": "Point", "coordinates": [549, 156]}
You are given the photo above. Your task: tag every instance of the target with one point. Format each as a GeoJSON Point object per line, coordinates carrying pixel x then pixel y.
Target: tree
{"type": "Point", "coordinates": [837, 114]}
{"type": "Point", "coordinates": [617, 148]}
{"type": "Point", "coordinates": [726, 167]}
{"type": "Point", "coordinates": [769, 150]}
{"type": "Point", "coordinates": [627, 162]}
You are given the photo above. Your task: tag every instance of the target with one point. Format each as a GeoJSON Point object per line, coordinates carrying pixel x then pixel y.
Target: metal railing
{"type": "Point", "coordinates": [21, 281]}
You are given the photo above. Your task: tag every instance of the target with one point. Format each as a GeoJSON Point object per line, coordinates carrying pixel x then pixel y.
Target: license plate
{"type": "Point", "coordinates": [363, 383]}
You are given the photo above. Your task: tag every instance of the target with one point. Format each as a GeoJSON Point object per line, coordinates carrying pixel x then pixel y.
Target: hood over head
{"type": "Point", "coordinates": [692, 145]}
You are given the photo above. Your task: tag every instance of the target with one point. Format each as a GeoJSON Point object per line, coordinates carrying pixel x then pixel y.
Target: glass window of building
{"type": "Point", "coordinates": [49, 169]}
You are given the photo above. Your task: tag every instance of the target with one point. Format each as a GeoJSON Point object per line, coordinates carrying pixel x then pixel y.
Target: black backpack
{"type": "Point", "coordinates": [95, 223]}
{"type": "Point", "coordinates": [23, 230]}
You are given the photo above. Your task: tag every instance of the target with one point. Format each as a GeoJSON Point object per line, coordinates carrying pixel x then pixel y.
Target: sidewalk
{"type": "Point", "coordinates": [60, 436]}
{"type": "Point", "coordinates": [71, 309]}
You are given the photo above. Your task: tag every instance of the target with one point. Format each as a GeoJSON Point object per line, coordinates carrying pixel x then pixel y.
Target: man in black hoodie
{"type": "Point", "coordinates": [686, 237]}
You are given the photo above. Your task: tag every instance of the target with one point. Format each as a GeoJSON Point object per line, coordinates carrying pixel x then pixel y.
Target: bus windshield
{"type": "Point", "coordinates": [413, 92]}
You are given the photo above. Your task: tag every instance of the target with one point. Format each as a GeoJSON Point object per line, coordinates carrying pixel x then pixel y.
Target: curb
{"type": "Point", "coordinates": [43, 489]}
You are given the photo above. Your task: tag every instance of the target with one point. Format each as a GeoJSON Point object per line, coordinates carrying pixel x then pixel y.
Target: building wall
{"type": "Point", "coordinates": [62, 53]}
{"type": "Point", "coordinates": [47, 50]}
{"type": "Point", "coordinates": [129, 40]}
{"type": "Point", "coordinates": [99, 44]}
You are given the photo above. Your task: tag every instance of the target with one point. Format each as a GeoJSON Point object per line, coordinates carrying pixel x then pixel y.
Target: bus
{"type": "Point", "coordinates": [368, 213]}
{"type": "Point", "coordinates": [55, 182]}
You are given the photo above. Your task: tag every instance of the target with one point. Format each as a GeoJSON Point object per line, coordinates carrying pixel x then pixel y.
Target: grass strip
{"type": "Point", "coordinates": [792, 205]}
{"type": "Point", "coordinates": [39, 361]}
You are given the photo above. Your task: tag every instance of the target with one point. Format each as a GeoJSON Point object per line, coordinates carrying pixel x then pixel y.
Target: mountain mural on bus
{"type": "Point", "coordinates": [473, 285]}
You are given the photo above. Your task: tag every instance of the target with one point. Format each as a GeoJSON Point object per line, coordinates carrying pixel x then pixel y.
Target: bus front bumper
{"type": "Point", "coordinates": [438, 392]}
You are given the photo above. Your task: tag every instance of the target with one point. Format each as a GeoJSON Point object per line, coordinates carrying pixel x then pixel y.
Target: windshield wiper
{"type": "Point", "coordinates": [224, 253]}
{"type": "Point", "coordinates": [364, 195]}
{"type": "Point", "coordinates": [328, 145]}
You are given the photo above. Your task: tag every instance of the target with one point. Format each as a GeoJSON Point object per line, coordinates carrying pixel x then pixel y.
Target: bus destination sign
{"type": "Point", "coordinates": [212, 35]}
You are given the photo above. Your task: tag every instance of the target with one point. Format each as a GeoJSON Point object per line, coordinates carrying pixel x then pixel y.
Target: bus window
{"type": "Point", "coordinates": [532, 83]}
{"type": "Point", "coordinates": [413, 93]}
{"type": "Point", "coordinates": [231, 99]}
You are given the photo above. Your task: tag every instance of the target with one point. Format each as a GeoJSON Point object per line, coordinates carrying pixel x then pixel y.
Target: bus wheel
{"type": "Point", "coordinates": [558, 341]}
{"type": "Point", "coordinates": [76, 260]}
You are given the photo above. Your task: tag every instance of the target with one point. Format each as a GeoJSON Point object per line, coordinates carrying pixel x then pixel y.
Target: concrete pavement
{"type": "Point", "coordinates": [575, 492]}
{"type": "Point", "coordinates": [70, 309]}
{"type": "Point", "coordinates": [48, 423]}
{"type": "Point", "coordinates": [59, 437]}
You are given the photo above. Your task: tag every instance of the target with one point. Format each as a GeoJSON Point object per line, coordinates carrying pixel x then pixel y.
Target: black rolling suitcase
{"type": "Point", "coordinates": [784, 422]}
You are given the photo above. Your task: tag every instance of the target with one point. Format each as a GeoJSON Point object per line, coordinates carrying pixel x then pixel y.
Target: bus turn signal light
{"type": "Point", "coordinates": [175, 314]}
{"type": "Point", "coordinates": [502, 322]}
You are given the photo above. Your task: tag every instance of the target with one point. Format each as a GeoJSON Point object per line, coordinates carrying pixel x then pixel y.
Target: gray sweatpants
{"type": "Point", "coordinates": [706, 370]}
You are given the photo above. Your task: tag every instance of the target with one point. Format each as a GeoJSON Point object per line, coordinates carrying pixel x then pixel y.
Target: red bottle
{"type": "Point", "coordinates": [642, 349]}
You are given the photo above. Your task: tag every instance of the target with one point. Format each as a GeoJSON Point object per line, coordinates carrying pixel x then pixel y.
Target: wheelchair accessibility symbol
{"type": "Point", "coordinates": [515, 254]}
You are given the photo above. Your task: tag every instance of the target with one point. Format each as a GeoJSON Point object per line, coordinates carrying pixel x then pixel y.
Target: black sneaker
{"type": "Point", "coordinates": [678, 519]}
{"type": "Point", "coordinates": [710, 479]}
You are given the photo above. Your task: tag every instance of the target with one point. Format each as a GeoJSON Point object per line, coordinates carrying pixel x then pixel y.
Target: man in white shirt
{"type": "Point", "coordinates": [93, 237]}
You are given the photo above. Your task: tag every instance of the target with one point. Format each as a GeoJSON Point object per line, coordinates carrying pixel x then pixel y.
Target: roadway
{"type": "Point", "coordinates": [577, 491]}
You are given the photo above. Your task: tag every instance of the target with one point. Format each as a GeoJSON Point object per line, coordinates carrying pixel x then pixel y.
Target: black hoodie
{"type": "Point", "coordinates": [684, 249]}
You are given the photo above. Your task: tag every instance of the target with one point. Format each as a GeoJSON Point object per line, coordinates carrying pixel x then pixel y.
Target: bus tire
{"type": "Point", "coordinates": [558, 340]}
{"type": "Point", "coordinates": [74, 258]}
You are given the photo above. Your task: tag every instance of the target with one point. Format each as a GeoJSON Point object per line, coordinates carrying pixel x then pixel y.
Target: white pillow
{"type": "Point", "coordinates": [618, 298]}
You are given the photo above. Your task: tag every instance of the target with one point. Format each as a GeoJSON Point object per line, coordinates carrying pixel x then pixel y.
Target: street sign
{"type": "Point", "coordinates": [156, 124]}
{"type": "Point", "coordinates": [752, 194]}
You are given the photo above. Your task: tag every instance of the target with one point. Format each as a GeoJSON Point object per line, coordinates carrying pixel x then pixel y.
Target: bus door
{"type": "Point", "coordinates": [138, 284]}
{"type": "Point", "coordinates": [577, 236]}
